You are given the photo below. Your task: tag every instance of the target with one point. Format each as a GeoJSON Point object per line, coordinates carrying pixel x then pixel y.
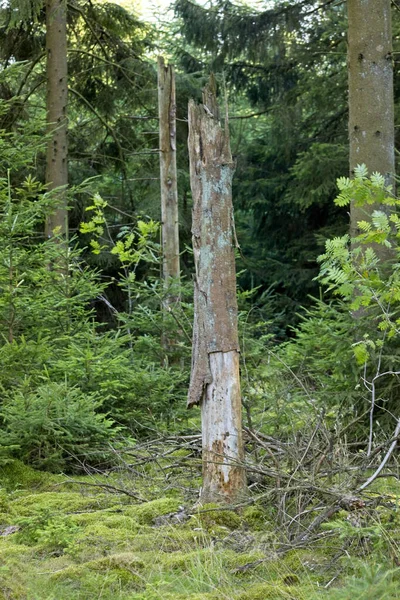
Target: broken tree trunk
{"type": "Point", "coordinates": [169, 190]}
{"type": "Point", "coordinates": [215, 382]}
{"type": "Point", "coordinates": [56, 106]}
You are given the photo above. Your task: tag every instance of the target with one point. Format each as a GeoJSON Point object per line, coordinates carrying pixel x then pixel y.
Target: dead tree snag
{"type": "Point", "coordinates": [168, 181]}
{"type": "Point", "coordinates": [215, 382]}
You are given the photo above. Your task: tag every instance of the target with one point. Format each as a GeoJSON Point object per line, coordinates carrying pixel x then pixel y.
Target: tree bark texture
{"type": "Point", "coordinates": [371, 105]}
{"type": "Point", "coordinates": [168, 176]}
{"type": "Point", "coordinates": [215, 382]}
{"type": "Point", "coordinates": [56, 104]}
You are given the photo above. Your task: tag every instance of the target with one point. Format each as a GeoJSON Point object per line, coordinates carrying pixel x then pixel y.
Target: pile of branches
{"type": "Point", "coordinates": [306, 477]}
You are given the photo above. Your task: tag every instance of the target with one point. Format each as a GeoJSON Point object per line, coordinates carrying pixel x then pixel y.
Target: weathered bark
{"type": "Point", "coordinates": [56, 104]}
{"type": "Point", "coordinates": [371, 105]}
{"type": "Point", "coordinates": [215, 382]}
{"type": "Point", "coordinates": [221, 418]}
{"type": "Point", "coordinates": [168, 180]}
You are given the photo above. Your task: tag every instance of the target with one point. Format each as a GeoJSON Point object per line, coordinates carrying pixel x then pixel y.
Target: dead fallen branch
{"type": "Point", "coordinates": [106, 486]}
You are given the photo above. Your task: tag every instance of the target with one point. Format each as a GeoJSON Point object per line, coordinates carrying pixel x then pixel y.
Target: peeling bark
{"type": "Point", "coordinates": [168, 178]}
{"type": "Point", "coordinates": [215, 382]}
{"type": "Point", "coordinates": [371, 104]}
{"type": "Point", "coordinates": [56, 105]}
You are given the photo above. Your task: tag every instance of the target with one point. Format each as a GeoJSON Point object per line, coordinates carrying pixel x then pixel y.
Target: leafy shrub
{"type": "Point", "coordinates": [344, 354]}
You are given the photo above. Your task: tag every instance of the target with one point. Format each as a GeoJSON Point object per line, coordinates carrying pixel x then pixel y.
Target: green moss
{"type": "Point", "coordinates": [191, 597]}
{"type": "Point", "coordinates": [4, 501]}
{"type": "Point", "coordinates": [98, 539]}
{"type": "Point", "coordinates": [16, 475]}
{"type": "Point", "coordinates": [234, 560]}
{"type": "Point", "coordinates": [146, 513]}
{"type": "Point", "coordinates": [119, 532]}
{"type": "Point", "coordinates": [181, 452]}
{"type": "Point", "coordinates": [384, 486]}
{"type": "Point", "coordinates": [154, 594]}
{"type": "Point", "coordinates": [116, 576]}
{"type": "Point", "coordinates": [110, 584]}
{"type": "Point", "coordinates": [295, 560]}
{"type": "Point", "coordinates": [9, 550]}
{"type": "Point", "coordinates": [117, 523]}
{"type": "Point", "coordinates": [126, 565]}
{"type": "Point", "coordinates": [207, 559]}
{"type": "Point", "coordinates": [291, 579]}
{"type": "Point", "coordinates": [113, 517]}
{"type": "Point", "coordinates": [341, 515]}
{"type": "Point", "coordinates": [120, 522]}
{"type": "Point", "coordinates": [389, 518]}
{"type": "Point", "coordinates": [12, 576]}
{"type": "Point", "coordinates": [120, 527]}
{"type": "Point", "coordinates": [16, 592]}
{"type": "Point", "coordinates": [264, 591]}
{"type": "Point", "coordinates": [211, 514]}
{"type": "Point", "coordinates": [311, 564]}
{"type": "Point", "coordinates": [256, 518]}
{"type": "Point", "coordinates": [75, 543]}
{"type": "Point", "coordinates": [58, 502]}
{"type": "Point", "coordinates": [183, 561]}
{"type": "Point", "coordinates": [168, 540]}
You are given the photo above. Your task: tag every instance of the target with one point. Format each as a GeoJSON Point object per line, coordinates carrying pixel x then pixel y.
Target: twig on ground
{"type": "Point", "coordinates": [106, 486]}
{"type": "Point", "coordinates": [384, 461]}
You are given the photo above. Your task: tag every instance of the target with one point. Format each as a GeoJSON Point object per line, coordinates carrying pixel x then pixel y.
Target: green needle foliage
{"type": "Point", "coordinates": [285, 64]}
{"type": "Point", "coordinates": [73, 380]}
{"type": "Point", "coordinates": [55, 427]}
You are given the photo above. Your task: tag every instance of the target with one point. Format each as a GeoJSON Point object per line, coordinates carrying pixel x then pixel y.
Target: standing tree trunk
{"type": "Point", "coordinates": [56, 104]}
{"type": "Point", "coordinates": [371, 105]}
{"type": "Point", "coordinates": [169, 191]}
{"type": "Point", "coordinates": [215, 382]}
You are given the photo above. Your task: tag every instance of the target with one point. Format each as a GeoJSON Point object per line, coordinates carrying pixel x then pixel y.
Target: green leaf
{"type": "Point", "coordinates": [361, 353]}
{"type": "Point", "coordinates": [361, 172]}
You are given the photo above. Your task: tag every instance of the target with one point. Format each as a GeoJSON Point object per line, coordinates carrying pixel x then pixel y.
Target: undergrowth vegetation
{"type": "Point", "coordinates": [64, 538]}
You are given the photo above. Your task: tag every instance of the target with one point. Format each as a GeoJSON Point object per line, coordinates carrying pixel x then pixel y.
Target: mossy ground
{"type": "Point", "coordinates": [78, 542]}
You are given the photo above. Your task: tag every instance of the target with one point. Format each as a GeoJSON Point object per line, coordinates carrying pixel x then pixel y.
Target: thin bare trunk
{"type": "Point", "coordinates": [168, 180]}
{"type": "Point", "coordinates": [371, 107]}
{"type": "Point", "coordinates": [215, 382]}
{"type": "Point", "coordinates": [57, 90]}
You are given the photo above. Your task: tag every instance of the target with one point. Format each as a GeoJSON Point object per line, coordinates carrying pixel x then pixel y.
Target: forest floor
{"type": "Point", "coordinates": [139, 536]}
